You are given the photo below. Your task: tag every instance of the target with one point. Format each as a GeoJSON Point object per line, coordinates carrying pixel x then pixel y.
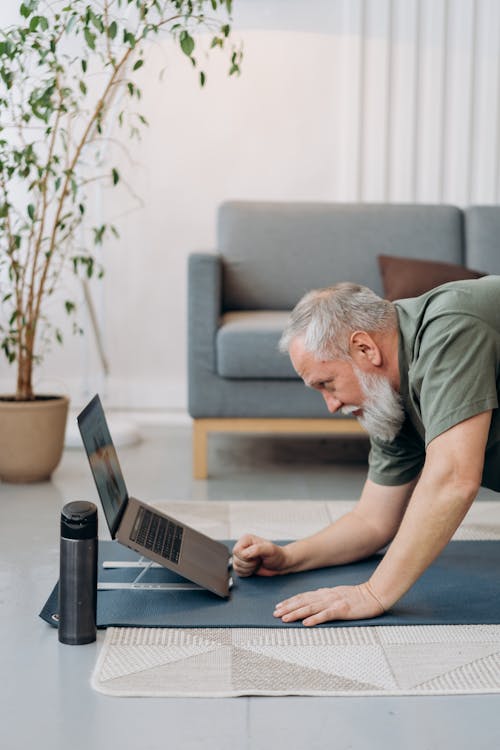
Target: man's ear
{"type": "Point", "coordinates": [364, 350]}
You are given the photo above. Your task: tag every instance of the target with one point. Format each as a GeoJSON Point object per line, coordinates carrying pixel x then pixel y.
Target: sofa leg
{"type": "Point", "coordinates": [202, 428]}
{"type": "Point", "coordinates": [200, 447]}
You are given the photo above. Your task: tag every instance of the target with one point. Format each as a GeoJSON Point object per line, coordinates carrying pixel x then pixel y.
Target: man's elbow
{"type": "Point", "coordinates": [457, 481]}
{"type": "Point", "coordinates": [455, 489]}
{"type": "Point", "coordinates": [465, 487]}
{"type": "Point", "coordinates": [451, 492]}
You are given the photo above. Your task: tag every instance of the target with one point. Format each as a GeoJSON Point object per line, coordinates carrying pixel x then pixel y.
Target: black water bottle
{"type": "Point", "coordinates": [78, 573]}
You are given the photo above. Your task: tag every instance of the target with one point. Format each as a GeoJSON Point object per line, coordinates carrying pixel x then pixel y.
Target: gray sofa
{"type": "Point", "coordinates": [268, 255]}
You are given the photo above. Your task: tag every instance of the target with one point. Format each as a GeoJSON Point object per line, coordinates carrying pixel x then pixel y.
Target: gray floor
{"type": "Point", "coordinates": [45, 698]}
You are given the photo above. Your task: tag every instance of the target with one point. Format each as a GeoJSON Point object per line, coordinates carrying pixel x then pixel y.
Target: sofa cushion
{"type": "Point", "coordinates": [410, 277]}
{"type": "Point", "coordinates": [247, 346]}
{"type": "Point", "coordinates": [272, 253]}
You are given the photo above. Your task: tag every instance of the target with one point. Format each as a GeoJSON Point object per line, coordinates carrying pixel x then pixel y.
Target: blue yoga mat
{"type": "Point", "coordinates": [461, 587]}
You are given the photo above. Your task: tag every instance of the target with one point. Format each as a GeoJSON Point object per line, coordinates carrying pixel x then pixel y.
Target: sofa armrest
{"type": "Point", "coordinates": [482, 229]}
{"type": "Point", "coordinates": [204, 310]}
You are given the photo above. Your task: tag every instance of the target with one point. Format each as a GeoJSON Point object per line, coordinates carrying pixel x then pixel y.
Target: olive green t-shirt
{"type": "Point", "coordinates": [449, 363]}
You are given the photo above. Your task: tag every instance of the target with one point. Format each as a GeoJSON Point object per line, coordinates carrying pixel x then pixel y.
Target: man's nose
{"type": "Point", "coordinates": [332, 403]}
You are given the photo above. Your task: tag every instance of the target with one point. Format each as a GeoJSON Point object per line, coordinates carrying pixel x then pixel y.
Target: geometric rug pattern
{"type": "Point", "coordinates": [340, 661]}
{"type": "Point", "coordinates": [362, 661]}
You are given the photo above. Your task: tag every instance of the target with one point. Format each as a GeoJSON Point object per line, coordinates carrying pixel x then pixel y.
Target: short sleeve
{"type": "Point", "coordinates": [454, 376]}
{"type": "Point", "coordinates": [399, 461]}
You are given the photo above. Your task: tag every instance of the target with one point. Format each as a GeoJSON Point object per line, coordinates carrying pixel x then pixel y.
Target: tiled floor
{"type": "Point", "coordinates": [45, 698]}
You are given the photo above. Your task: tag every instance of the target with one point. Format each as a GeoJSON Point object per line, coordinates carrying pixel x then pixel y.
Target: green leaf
{"type": "Point", "coordinates": [7, 77]}
{"type": "Point", "coordinates": [98, 235]}
{"type": "Point", "coordinates": [203, 78]}
{"type": "Point", "coordinates": [83, 88]}
{"type": "Point", "coordinates": [128, 38]}
{"type": "Point", "coordinates": [97, 21]}
{"type": "Point", "coordinates": [59, 336]}
{"type": "Point", "coordinates": [187, 43]}
{"type": "Point", "coordinates": [115, 176]}
{"type": "Point", "coordinates": [113, 30]}
{"type": "Point", "coordinates": [138, 65]}
{"type": "Point", "coordinates": [71, 23]}
{"type": "Point", "coordinates": [70, 306]}
{"type": "Point", "coordinates": [31, 211]}
{"type": "Point", "coordinates": [89, 38]}
{"type": "Point", "coordinates": [84, 66]}
{"type": "Point", "coordinates": [9, 353]}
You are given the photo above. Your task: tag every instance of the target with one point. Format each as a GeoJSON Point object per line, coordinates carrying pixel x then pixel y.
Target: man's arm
{"type": "Point", "coordinates": [448, 485]}
{"type": "Point", "coordinates": [360, 533]}
{"type": "Point", "coordinates": [445, 491]}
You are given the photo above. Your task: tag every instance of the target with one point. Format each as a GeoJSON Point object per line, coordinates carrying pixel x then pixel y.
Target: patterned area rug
{"type": "Point", "coordinates": [353, 661]}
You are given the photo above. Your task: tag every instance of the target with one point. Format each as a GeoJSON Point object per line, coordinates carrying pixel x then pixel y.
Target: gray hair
{"type": "Point", "coordinates": [325, 318]}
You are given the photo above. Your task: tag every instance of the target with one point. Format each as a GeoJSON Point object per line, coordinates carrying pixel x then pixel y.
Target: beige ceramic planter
{"type": "Point", "coordinates": [31, 437]}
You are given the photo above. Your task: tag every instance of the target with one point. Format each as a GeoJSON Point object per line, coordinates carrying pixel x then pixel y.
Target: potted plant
{"type": "Point", "coordinates": [61, 68]}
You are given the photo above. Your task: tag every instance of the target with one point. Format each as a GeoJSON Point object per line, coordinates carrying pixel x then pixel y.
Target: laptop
{"type": "Point", "coordinates": [141, 527]}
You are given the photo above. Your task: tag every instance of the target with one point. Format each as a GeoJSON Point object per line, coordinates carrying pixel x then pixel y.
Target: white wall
{"type": "Point", "coordinates": [340, 100]}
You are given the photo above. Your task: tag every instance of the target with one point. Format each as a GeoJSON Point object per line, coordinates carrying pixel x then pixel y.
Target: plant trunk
{"type": "Point", "coordinates": [24, 391]}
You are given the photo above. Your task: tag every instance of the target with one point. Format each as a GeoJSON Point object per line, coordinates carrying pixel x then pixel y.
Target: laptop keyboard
{"type": "Point", "coordinates": [157, 534]}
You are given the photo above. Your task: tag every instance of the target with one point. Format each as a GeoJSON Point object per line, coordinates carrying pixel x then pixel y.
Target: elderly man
{"type": "Point", "coordinates": [422, 375]}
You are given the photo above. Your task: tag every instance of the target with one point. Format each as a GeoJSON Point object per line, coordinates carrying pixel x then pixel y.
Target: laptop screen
{"type": "Point", "coordinates": [103, 462]}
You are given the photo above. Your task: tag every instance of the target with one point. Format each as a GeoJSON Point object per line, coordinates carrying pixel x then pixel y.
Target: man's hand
{"type": "Point", "coordinates": [254, 555]}
{"type": "Point", "coordinates": [323, 605]}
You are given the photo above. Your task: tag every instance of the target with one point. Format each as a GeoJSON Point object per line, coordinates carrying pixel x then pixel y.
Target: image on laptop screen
{"type": "Point", "coordinates": [103, 462]}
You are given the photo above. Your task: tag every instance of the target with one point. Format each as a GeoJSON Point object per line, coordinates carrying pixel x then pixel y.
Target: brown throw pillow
{"type": "Point", "coordinates": [409, 277]}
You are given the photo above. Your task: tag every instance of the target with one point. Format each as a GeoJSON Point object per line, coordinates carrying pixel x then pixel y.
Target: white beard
{"type": "Point", "coordinates": [383, 412]}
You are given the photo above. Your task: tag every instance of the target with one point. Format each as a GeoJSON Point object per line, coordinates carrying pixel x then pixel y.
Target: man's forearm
{"type": "Point", "coordinates": [371, 525]}
{"type": "Point", "coordinates": [346, 540]}
{"type": "Point", "coordinates": [434, 513]}
{"type": "Point", "coordinates": [447, 487]}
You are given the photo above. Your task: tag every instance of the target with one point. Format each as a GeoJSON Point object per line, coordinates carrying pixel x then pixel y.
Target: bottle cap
{"type": "Point", "coordinates": [79, 520]}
